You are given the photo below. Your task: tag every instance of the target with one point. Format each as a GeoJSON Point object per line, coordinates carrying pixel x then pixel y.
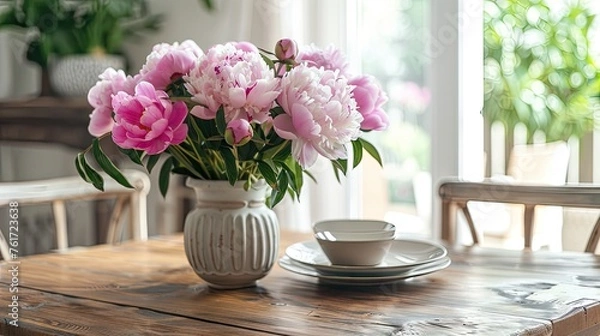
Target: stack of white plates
{"type": "Point", "coordinates": [405, 259]}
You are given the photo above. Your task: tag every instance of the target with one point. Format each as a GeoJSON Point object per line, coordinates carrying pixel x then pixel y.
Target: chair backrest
{"type": "Point", "coordinates": [545, 163]}
{"type": "Point", "coordinates": [57, 191]}
{"type": "Point", "coordinates": [456, 193]}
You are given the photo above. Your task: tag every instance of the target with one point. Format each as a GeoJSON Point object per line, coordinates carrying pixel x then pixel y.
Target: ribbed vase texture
{"type": "Point", "coordinates": [231, 239]}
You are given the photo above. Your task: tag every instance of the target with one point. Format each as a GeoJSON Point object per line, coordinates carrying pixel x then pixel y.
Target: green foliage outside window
{"type": "Point", "coordinates": [538, 67]}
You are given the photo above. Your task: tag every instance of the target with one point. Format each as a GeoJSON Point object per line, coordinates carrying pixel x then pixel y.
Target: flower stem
{"type": "Point", "coordinates": [179, 154]}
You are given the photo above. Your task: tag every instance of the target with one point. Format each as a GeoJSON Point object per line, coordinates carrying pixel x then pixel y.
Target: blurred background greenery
{"type": "Point", "coordinates": [540, 69]}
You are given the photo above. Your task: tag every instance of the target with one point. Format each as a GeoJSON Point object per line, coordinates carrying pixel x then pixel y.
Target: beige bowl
{"type": "Point", "coordinates": [353, 250]}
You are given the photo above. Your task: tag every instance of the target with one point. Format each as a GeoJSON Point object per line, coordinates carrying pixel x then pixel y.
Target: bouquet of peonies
{"type": "Point", "coordinates": [235, 113]}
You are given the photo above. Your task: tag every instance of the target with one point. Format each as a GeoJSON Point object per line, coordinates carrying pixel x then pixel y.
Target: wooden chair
{"type": "Point", "coordinates": [58, 191]}
{"type": "Point", "coordinates": [455, 194]}
{"type": "Point", "coordinates": [541, 164]}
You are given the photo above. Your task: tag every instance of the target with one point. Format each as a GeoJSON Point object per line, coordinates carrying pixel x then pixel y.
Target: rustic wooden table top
{"type": "Point", "coordinates": [142, 288]}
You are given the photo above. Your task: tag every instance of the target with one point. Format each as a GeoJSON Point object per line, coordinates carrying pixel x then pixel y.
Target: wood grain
{"type": "Point", "coordinates": [48, 314]}
{"type": "Point", "coordinates": [484, 292]}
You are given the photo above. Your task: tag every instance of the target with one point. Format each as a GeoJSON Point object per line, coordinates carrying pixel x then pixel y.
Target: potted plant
{"type": "Point", "coordinates": [236, 121]}
{"type": "Point", "coordinates": [76, 40]}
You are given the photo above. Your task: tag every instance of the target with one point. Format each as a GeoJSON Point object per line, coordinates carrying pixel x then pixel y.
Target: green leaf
{"type": "Point", "coordinates": [231, 168]}
{"type": "Point", "coordinates": [284, 153]}
{"type": "Point", "coordinates": [291, 176]}
{"type": "Point", "coordinates": [208, 4]}
{"type": "Point", "coordinates": [151, 162]}
{"type": "Point", "coordinates": [268, 61]}
{"type": "Point", "coordinates": [268, 173]}
{"type": "Point", "coordinates": [341, 164]}
{"type": "Point", "coordinates": [221, 122]}
{"type": "Point", "coordinates": [298, 177]}
{"type": "Point", "coordinates": [371, 150]}
{"type": "Point", "coordinates": [164, 175]}
{"type": "Point", "coordinates": [357, 153]}
{"type": "Point", "coordinates": [88, 173]}
{"type": "Point", "coordinates": [247, 151]}
{"type": "Point", "coordinates": [311, 176]}
{"type": "Point", "coordinates": [107, 165]}
{"type": "Point", "coordinates": [336, 171]}
{"type": "Point", "coordinates": [133, 154]}
{"type": "Point", "coordinates": [80, 169]}
{"type": "Point", "coordinates": [195, 132]}
{"type": "Point", "coordinates": [278, 194]}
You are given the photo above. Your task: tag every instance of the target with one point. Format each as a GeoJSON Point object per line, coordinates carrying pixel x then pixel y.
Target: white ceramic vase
{"type": "Point", "coordinates": [231, 238]}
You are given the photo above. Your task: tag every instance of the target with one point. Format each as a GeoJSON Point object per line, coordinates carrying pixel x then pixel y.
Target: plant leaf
{"type": "Point", "coordinates": [268, 61]}
{"type": "Point", "coordinates": [107, 165]}
{"type": "Point", "coordinates": [357, 153]}
{"type": "Point", "coordinates": [88, 173]}
{"type": "Point", "coordinates": [221, 122]}
{"type": "Point", "coordinates": [291, 176]}
{"type": "Point", "coordinates": [282, 185]}
{"type": "Point", "coordinates": [284, 152]}
{"type": "Point", "coordinates": [268, 173]}
{"type": "Point", "coordinates": [310, 175]}
{"type": "Point", "coordinates": [230, 166]}
{"type": "Point", "coordinates": [371, 150]}
{"type": "Point", "coordinates": [341, 164]}
{"type": "Point", "coordinates": [133, 154]}
{"type": "Point", "coordinates": [164, 175]}
{"type": "Point", "coordinates": [336, 171]}
{"type": "Point", "coordinates": [151, 162]}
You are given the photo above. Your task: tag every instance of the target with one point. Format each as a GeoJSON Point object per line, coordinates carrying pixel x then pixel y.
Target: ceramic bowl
{"type": "Point", "coordinates": [358, 227]}
{"type": "Point", "coordinates": [351, 249]}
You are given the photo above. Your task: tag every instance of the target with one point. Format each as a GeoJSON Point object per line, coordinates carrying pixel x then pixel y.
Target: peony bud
{"type": "Point", "coordinates": [238, 132]}
{"type": "Point", "coordinates": [286, 49]}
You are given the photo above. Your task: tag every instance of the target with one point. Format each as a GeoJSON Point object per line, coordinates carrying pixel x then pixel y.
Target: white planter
{"type": "Point", "coordinates": [73, 76]}
{"type": "Point", "coordinates": [231, 239]}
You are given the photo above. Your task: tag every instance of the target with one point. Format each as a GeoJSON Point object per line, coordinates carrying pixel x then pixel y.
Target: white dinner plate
{"type": "Point", "coordinates": [403, 255]}
{"type": "Point", "coordinates": [286, 263]}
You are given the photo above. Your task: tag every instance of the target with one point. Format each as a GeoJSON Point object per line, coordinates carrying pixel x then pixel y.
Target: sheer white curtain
{"type": "Point", "coordinates": [321, 23]}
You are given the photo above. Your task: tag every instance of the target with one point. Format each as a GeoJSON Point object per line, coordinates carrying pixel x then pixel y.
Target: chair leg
{"type": "Point", "coordinates": [448, 221]}
{"type": "Point", "coordinates": [114, 226]}
{"type": "Point", "coordinates": [472, 228]}
{"type": "Point", "coordinates": [528, 225]}
{"type": "Point", "coordinates": [592, 244]}
{"type": "Point", "coordinates": [139, 219]}
{"type": "Point", "coordinates": [4, 250]}
{"type": "Point", "coordinates": [60, 223]}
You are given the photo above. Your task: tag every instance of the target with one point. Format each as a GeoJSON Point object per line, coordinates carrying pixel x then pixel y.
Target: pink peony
{"type": "Point", "coordinates": [238, 132]}
{"type": "Point", "coordinates": [320, 114]}
{"type": "Point", "coordinates": [246, 46]}
{"type": "Point", "coordinates": [370, 98]}
{"type": "Point", "coordinates": [168, 62]}
{"type": "Point", "coordinates": [100, 97]}
{"type": "Point", "coordinates": [148, 120]}
{"type": "Point", "coordinates": [330, 58]}
{"type": "Point", "coordinates": [234, 78]}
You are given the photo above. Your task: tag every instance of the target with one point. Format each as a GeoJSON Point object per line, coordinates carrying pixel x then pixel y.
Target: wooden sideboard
{"type": "Point", "coordinates": [46, 119]}
{"type": "Point", "coordinates": [53, 120]}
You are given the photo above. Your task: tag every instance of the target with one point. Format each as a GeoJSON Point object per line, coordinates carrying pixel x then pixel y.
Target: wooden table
{"type": "Point", "coordinates": [147, 288]}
